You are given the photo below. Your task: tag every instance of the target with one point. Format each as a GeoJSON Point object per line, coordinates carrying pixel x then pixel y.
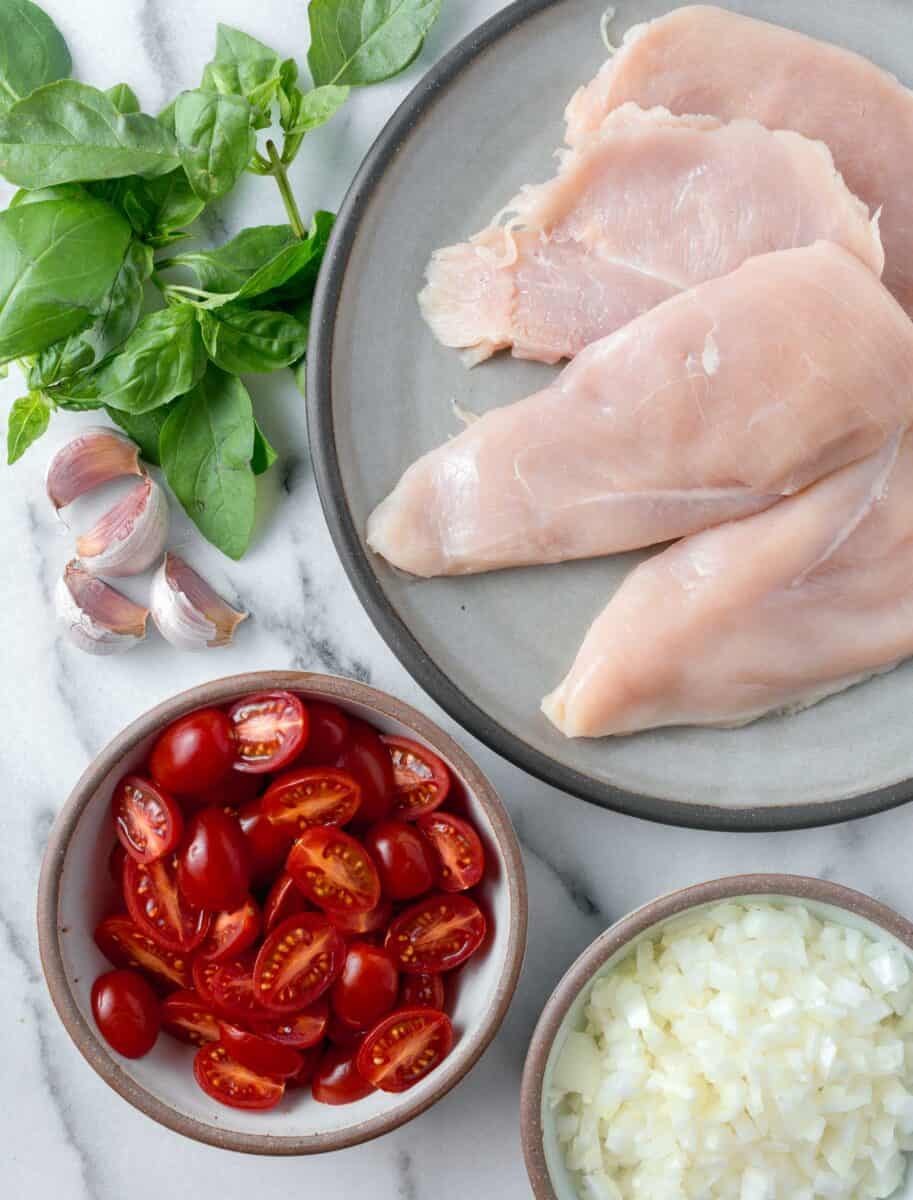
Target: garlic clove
{"type": "Point", "coordinates": [131, 536]}
{"type": "Point", "coordinates": [94, 616]}
{"type": "Point", "coordinates": [188, 613]}
{"type": "Point", "coordinates": [95, 457]}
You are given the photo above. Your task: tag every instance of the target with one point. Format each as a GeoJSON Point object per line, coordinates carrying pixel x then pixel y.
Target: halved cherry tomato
{"type": "Point", "coordinates": [147, 820]}
{"type": "Point", "coordinates": [311, 796]}
{"type": "Point", "coordinates": [358, 924]}
{"type": "Point", "coordinates": [193, 753]}
{"type": "Point", "coordinates": [229, 987]}
{"type": "Point", "coordinates": [235, 791]}
{"type": "Point", "coordinates": [123, 943]}
{"type": "Point", "coordinates": [367, 986]}
{"type": "Point", "coordinates": [458, 849]}
{"type": "Point", "coordinates": [126, 1012]}
{"type": "Point", "coordinates": [298, 1030]}
{"type": "Point", "coordinates": [284, 900]}
{"type": "Point", "coordinates": [298, 962]}
{"type": "Point", "coordinates": [116, 860]}
{"type": "Point", "coordinates": [231, 933]}
{"type": "Point", "coordinates": [189, 1018]}
{"type": "Point", "coordinates": [214, 861]}
{"type": "Point", "coordinates": [228, 1082]}
{"type": "Point", "coordinates": [309, 1060]}
{"type": "Point", "coordinates": [328, 737]}
{"type": "Point", "coordinates": [437, 934]}
{"type": "Point", "coordinates": [156, 904]}
{"type": "Point", "coordinates": [336, 1080]}
{"type": "Point", "coordinates": [269, 730]}
{"type": "Point", "coordinates": [422, 991]}
{"type": "Point", "coordinates": [422, 779]}
{"type": "Point", "coordinates": [405, 862]}
{"type": "Point", "coordinates": [334, 870]}
{"type": "Point", "coordinates": [268, 843]}
{"type": "Point", "coordinates": [257, 1054]}
{"type": "Point", "coordinates": [404, 1047]}
{"type": "Point", "coordinates": [366, 758]}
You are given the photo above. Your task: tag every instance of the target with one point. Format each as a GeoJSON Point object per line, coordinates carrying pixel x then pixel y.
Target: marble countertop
{"type": "Point", "coordinates": [64, 1134]}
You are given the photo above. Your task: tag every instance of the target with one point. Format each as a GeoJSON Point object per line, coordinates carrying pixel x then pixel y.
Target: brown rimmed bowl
{"type": "Point", "coordinates": [75, 892]}
{"type": "Point", "coordinates": [564, 1010]}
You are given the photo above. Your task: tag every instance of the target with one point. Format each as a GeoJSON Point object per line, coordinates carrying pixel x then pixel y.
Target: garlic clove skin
{"type": "Point", "coordinates": [94, 616]}
{"type": "Point", "coordinates": [94, 457]}
{"type": "Point", "coordinates": [131, 536]}
{"type": "Point", "coordinates": [187, 612]}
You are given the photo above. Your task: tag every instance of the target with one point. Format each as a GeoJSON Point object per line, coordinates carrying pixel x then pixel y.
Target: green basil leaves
{"type": "Point", "coordinates": [365, 41]}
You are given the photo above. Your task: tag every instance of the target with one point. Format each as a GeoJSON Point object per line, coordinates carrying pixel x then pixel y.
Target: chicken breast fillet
{"type": "Point", "coordinates": [712, 406]}
{"type": "Point", "coordinates": [646, 206]}
{"type": "Point", "coordinates": [701, 59]}
{"type": "Point", "coordinates": [773, 612]}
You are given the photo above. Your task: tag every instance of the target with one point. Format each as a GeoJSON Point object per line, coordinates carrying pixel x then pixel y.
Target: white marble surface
{"type": "Point", "coordinates": [63, 1134]}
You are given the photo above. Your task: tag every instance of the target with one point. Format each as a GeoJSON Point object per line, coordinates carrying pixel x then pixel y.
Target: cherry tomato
{"type": "Point", "coordinates": [189, 1018]}
{"type": "Point", "coordinates": [437, 934]}
{"type": "Point", "coordinates": [123, 943]}
{"type": "Point", "coordinates": [231, 933]}
{"type": "Point", "coordinates": [116, 860]}
{"type": "Point", "coordinates": [229, 987]}
{"type": "Point", "coordinates": [235, 791]}
{"type": "Point", "coordinates": [156, 904]}
{"type": "Point", "coordinates": [311, 796]}
{"type": "Point", "coordinates": [422, 991]}
{"type": "Point", "coordinates": [257, 1054]}
{"type": "Point", "coordinates": [422, 779]}
{"type": "Point", "coordinates": [336, 1080]}
{"type": "Point", "coordinates": [367, 759]}
{"type": "Point", "coordinates": [268, 844]}
{"type": "Point", "coordinates": [351, 924]}
{"type": "Point", "coordinates": [328, 737]}
{"type": "Point", "coordinates": [194, 753]}
{"type": "Point", "coordinates": [215, 867]}
{"type": "Point", "coordinates": [458, 848]}
{"type": "Point", "coordinates": [269, 730]}
{"type": "Point", "coordinates": [404, 859]}
{"type": "Point", "coordinates": [341, 1034]}
{"type": "Point", "coordinates": [404, 1047]}
{"type": "Point", "coordinates": [126, 1012]}
{"type": "Point", "coordinates": [228, 1082]}
{"type": "Point", "coordinates": [147, 820]}
{"type": "Point", "coordinates": [284, 900]}
{"type": "Point", "coordinates": [309, 1060]}
{"type": "Point", "coordinates": [367, 987]}
{"type": "Point", "coordinates": [334, 870]}
{"type": "Point", "coordinates": [298, 962]}
{"type": "Point", "coordinates": [298, 1030]}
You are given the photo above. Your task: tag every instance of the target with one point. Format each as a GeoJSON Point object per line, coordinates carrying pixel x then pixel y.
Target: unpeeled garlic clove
{"type": "Point", "coordinates": [131, 536]}
{"type": "Point", "coordinates": [188, 613]}
{"type": "Point", "coordinates": [94, 616]}
{"type": "Point", "coordinates": [95, 457]}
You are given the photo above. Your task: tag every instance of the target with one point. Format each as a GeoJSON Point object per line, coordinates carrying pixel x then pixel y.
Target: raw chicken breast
{"type": "Point", "coordinates": [704, 60]}
{"type": "Point", "coordinates": [710, 407]}
{"type": "Point", "coordinates": [773, 612]}
{"type": "Point", "coordinates": [647, 206]}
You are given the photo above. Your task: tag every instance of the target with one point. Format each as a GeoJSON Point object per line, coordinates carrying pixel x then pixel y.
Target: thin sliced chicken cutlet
{"type": "Point", "coordinates": [646, 206]}
{"type": "Point", "coordinates": [711, 406]}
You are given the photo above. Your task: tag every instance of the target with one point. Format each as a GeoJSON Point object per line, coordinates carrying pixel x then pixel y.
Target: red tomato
{"type": "Point", "coordinates": [309, 1060]}
{"type": "Point", "coordinates": [228, 1082]}
{"type": "Point", "coordinates": [311, 796]}
{"type": "Point", "coordinates": [437, 934]}
{"type": "Point", "coordinates": [367, 987]}
{"type": "Point", "coordinates": [328, 737]}
{"type": "Point", "coordinates": [341, 1034]}
{"type": "Point", "coordinates": [123, 943]}
{"type": "Point", "coordinates": [366, 758]}
{"type": "Point", "coordinates": [269, 730]}
{"type": "Point", "coordinates": [189, 1019]}
{"type": "Point", "coordinates": [404, 860]}
{"type": "Point", "coordinates": [116, 860]}
{"type": "Point", "coordinates": [268, 843]}
{"type": "Point", "coordinates": [336, 1080]}
{"type": "Point", "coordinates": [231, 933]}
{"type": "Point", "coordinates": [299, 1030]}
{"type": "Point", "coordinates": [147, 820]}
{"type": "Point", "coordinates": [422, 779]}
{"type": "Point", "coordinates": [235, 791]}
{"type": "Point", "coordinates": [298, 962]}
{"type": "Point", "coordinates": [228, 987]}
{"type": "Point", "coordinates": [284, 900]}
{"type": "Point", "coordinates": [334, 870]}
{"type": "Point", "coordinates": [351, 924]}
{"type": "Point", "coordinates": [126, 1012]}
{"type": "Point", "coordinates": [257, 1054]}
{"type": "Point", "coordinates": [422, 991]}
{"type": "Point", "coordinates": [458, 849]}
{"type": "Point", "coordinates": [194, 753]}
{"type": "Point", "coordinates": [214, 870]}
{"type": "Point", "coordinates": [404, 1047]}
{"type": "Point", "coordinates": [160, 909]}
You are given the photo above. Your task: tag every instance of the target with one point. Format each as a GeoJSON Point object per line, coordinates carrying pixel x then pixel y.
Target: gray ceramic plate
{"type": "Point", "coordinates": [381, 392]}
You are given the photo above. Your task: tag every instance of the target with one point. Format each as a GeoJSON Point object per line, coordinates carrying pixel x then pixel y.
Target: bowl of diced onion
{"type": "Point", "coordinates": [747, 1038]}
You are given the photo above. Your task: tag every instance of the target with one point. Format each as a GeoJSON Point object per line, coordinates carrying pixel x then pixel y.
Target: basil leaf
{"type": "Point", "coordinates": [32, 51]}
{"type": "Point", "coordinates": [244, 67]}
{"type": "Point", "coordinates": [161, 359]}
{"type": "Point", "coordinates": [240, 340]}
{"type": "Point", "coordinates": [264, 455]}
{"type": "Point", "coordinates": [42, 297]}
{"type": "Point", "coordinates": [144, 428]}
{"type": "Point", "coordinates": [64, 191]}
{"type": "Point", "coordinates": [315, 108]}
{"type": "Point", "coordinates": [123, 97]}
{"type": "Point", "coordinates": [158, 209]}
{"type": "Point", "coordinates": [227, 269]}
{"type": "Point", "coordinates": [364, 41]}
{"type": "Point", "coordinates": [67, 131]}
{"type": "Point", "coordinates": [206, 448]}
{"type": "Point", "coordinates": [216, 138]}
{"type": "Point", "coordinates": [28, 420]}
{"type": "Point", "coordinates": [299, 370]}
{"type": "Point", "coordinates": [293, 275]}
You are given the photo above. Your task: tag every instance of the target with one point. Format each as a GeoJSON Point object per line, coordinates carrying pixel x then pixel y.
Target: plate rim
{"type": "Point", "coordinates": [357, 563]}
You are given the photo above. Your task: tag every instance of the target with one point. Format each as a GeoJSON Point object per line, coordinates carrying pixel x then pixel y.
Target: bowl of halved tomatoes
{"type": "Point", "coordinates": [282, 913]}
